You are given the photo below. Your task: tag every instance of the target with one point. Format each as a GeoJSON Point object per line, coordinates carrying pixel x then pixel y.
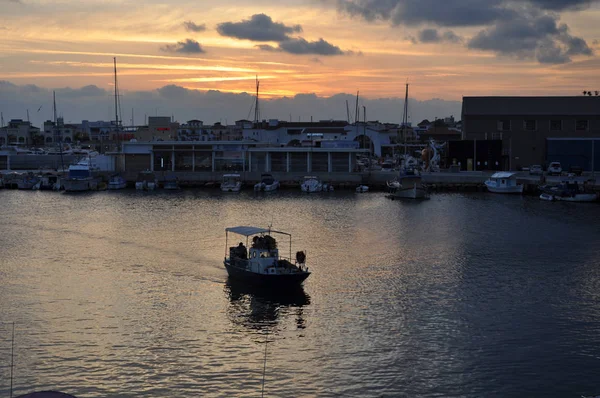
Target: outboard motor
{"type": "Point", "coordinates": [300, 257]}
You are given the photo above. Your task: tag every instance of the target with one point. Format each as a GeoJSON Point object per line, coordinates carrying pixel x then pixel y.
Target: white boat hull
{"type": "Point", "coordinates": [362, 189]}
{"type": "Point", "coordinates": [140, 185]}
{"type": "Point", "coordinates": [411, 193]}
{"type": "Point", "coordinates": [266, 187]}
{"type": "Point", "coordinates": [311, 188]}
{"type": "Point", "coordinates": [510, 189]}
{"type": "Point", "coordinates": [231, 188]}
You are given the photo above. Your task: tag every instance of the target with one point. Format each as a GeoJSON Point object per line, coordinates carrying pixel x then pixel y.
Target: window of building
{"type": "Point", "coordinates": [555, 125]}
{"type": "Point", "coordinates": [530, 125]}
{"type": "Point", "coordinates": [581, 125]}
{"type": "Point", "coordinates": [504, 125]}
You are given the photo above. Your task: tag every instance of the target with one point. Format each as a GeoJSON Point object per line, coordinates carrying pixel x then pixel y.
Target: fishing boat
{"type": "Point", "coordinates": [116, 181]}
{"type": "Point", "coordinates": [261, 264]}
{"type": "Point", "coordinates": [408, 186]}
{"type": "Point", "coordinates": [362, 189]}
{"type": "Point", "coordinates": [81, 177]}
{"type": "Point", "coordinates": [504, 182]}
{"type": "Point", "coordinates": [569, 191]}
{"type": "Point", "coordinates": [267, 183]}
{"type": "Point", "coordinates": [231, 183]}
{"type": "Point", "coordinates": [146, 181]}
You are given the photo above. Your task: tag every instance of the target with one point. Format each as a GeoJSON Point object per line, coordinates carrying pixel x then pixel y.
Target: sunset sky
{"type": "Point", "coordinates": [445, 49]}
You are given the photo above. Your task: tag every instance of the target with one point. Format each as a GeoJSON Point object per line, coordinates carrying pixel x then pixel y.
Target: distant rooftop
{"type": "Point", "coordinates": [513, 106]}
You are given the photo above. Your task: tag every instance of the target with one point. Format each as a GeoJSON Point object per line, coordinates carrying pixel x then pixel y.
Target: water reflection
{"type": "Point", "coordinates": [259, 309]}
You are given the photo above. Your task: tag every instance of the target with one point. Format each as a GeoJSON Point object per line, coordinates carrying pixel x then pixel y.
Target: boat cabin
{"type": "Point", "coordinates": [503, 180]}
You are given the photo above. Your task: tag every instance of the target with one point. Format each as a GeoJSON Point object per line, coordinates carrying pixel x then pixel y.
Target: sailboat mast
{"type": "Point", "coordinates": [405, 118]}
{"type": "Point", "coordinates": [57, 135]}
{"type": "Point", "coordinates": [256, 104]}
{"type": "Point", "coordinates": [116, 97]}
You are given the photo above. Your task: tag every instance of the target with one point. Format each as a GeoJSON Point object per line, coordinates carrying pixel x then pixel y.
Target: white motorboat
{"type": "Point", "coordinates": [409, 187]}
{"type": "Point", "coordinates": [116, 181]}
{"type": "Point", "coordinates": [146, 181]}
{"type": "Point", "coordinates": [311, 184]}
{"type": "Point", "coordinates": [362, 189]}
{"type": "Point", "coordinates": [267, 184]}
{"type": "Point", "coordinates": [569, 191]}
{"type": "Point", "coordinates": [81, 176]}
{"type": "Point", "coordinates": [261, 264]}
{"type": "Point", "coordinates": [504, 182]}
{"type": "Point", "coordinates": [231, 183]}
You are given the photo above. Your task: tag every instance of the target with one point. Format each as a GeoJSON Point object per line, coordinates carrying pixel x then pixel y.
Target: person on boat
{"type": "Point", "coordinates": [242, 251]}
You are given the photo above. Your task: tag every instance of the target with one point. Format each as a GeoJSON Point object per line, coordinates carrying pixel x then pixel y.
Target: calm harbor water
{"type": "Point", "coordinates": [124, 295]}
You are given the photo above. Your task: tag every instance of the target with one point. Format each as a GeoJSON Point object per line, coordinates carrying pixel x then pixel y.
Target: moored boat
{"type": "Point", "coordinates": [146, 181]}
{"type": "Point", "coordinates": [311, 184]}
{"type": "Point", "coordinates": [409, 186]}
{"type": "Point", "coordinates": [267, 184]}
{"type": "Point", "coordinates": [116, 181]}
{"type": "Point", "coordinates": [569, 191]}
{"type": "Point", "coordinates": [80, 177]}
{"type": "Point", "coordinates": [231, 183]}
{"type": "Point", "coordinates": [504, 182]}
{"type": "Point", "coordinates": [362, 189]}
{"type": "Point", "coordinates": [261, 264]}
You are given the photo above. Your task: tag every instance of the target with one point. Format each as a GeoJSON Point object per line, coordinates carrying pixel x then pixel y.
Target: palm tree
{"type": "Point", "coordinates": [597, 92]}
{"type": "Point", "coordinates": [584, 92]}
{"type": "Point", "coordinates": [589, 93]}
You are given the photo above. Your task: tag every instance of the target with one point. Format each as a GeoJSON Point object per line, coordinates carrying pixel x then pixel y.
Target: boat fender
{"type": "Point", "coordinates": [300, 257]}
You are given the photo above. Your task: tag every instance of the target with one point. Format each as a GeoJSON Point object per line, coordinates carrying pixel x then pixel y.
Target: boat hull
{"type": "Point", "coordinates": [512, 189]}
{"type": "Point", "coordinates": [581, 197]}
{"type": "Point", "coordinates": [80, 185]}
{"type": "Point", "coordinates": [266, 280]}
{"type": "Point", "coordinates": [411, 193]}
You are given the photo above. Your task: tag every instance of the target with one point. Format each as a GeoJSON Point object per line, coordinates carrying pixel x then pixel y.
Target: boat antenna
{"type": "Point", "coordinates": [12, 359]}
{"type": "Point", "coordinates": [264, 364]}
{"type": "Point", "coordinates": [117, 107]}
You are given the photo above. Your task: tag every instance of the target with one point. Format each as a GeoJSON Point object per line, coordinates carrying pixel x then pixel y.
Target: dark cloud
{"type": "Point", "coordinates": [188, 46]}
{"type": "Point", "coordinates": [192, 27]}
{"type": "Point", "coordinates": [259, 27]}
{"type": "Point", "coordinates": [415, 12]}
{"type": "Point", "coordinates": [433, 36]}
{"type": "Point", "coordinates": [301, 46]}
{"type": "Point", "coordinates": [531, 35]}
{"type": "Point", "coordinates": [522, 29]}
{"type": "Point", "coordinates": [559, 5]}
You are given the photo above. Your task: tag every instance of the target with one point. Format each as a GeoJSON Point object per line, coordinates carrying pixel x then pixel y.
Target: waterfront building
{"type": "Point", "coordinates": [18, 132]}
{"type": "Point", "coordinates": [200, 160]}
{"type": "Point", "coordinates": [536, 130]}
{"type": "Point", "coordinates": [59, 132]}
{"type": "Point", "coordinates": [160, 128]}
{"type": "Point", "coordinates": [373, 136]}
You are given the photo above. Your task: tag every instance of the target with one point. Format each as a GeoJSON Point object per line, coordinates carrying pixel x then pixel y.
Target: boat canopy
{"type": "Point", "coordinates": [247, 231]}
{"type": "Point", "coordinates": [503, 174]}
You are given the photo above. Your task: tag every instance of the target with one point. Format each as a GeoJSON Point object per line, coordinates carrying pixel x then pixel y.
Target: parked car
{"type": "Point", "coordinates": [577, 170]}
{"type": "Point", "coordinates": [536, 169]}
{"type": "Point", "coordinates": [555, 169]}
